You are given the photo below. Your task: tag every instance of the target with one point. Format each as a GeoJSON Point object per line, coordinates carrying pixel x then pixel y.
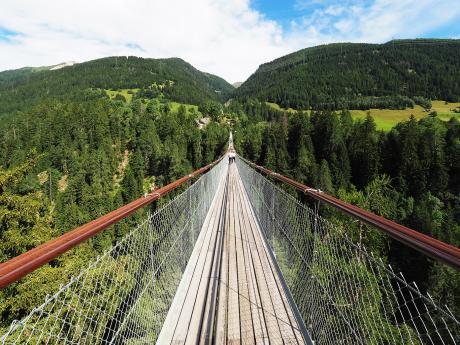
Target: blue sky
{"type": "Point", "coordinates": [289, 12]}
{"type": "Point", "coordinates": [230, 38]}
{"type": "Point", "coordinates": [7, 35]}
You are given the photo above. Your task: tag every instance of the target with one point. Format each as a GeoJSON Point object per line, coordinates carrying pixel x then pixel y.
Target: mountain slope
{"type": "Point", "coordinates": [21, 73]}
{"type": "Point", "coordinates": [175, 78]}
{"type": "Point", "coordinates": [352, 74]}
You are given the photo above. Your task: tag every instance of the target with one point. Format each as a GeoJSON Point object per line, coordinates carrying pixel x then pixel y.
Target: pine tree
{"type": "Point", "coordinates": [364, 152]}
{"type": "Point", "coordinates": [325, 180]}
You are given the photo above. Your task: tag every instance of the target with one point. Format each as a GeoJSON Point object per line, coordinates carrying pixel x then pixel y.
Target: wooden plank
{"type": "Point", "coordinates": [286, 320]}
{"type": "Point", "coordinates": [183, 323]}
{"type": "Point", "coordinates": [221, 323]}
{"type": "Point", "coordinates": [198, 299]}
{"type": "Point", "coordinates": [169, 326]}
{"type": "Point", "coordinates": [246, 321]}
{"type": "Point", "coordinates": [233, 309]}
{"type": "Point", "coordinates": [267, 306]}
{"type": "Point", "coordinates": [231, 260]}
{"type": "Point", "coordinates": [258, 320]}
{"type": "Point", "coordinates": [290, 313]}
{"type": "Point", "coordinates": [211, 306]}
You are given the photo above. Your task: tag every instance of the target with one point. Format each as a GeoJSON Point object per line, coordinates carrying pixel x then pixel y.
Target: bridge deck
{"type": "Point", "coordinates": [230, 290]}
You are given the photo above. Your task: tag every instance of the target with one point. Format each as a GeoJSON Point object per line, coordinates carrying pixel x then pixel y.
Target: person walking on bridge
{"type": "Point", "coordinates": [231, 156]}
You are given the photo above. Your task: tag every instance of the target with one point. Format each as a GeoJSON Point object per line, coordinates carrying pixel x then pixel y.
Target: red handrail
{"type": "Point", "coordinates": [21, 265]}
{"type": "Point", "coordinates": [428, 245]}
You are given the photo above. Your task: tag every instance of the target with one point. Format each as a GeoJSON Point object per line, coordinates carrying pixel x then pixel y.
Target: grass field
{"type": "Point", "coordinates": [386, 119]}
{"type": "Point", "coordinates": [124, 92]}
{"type": "Point", "coordinates": [175, 107]}
{"type": "Point", "coordinates": [277, 107]}
{"type": "Point", "coordinates": [129, 97]}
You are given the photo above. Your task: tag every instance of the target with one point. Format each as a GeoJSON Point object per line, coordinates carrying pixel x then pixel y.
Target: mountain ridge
{"type": "Point", "coordinates": [341, 75]}
{"type": "Point", "coordinates": [175, 78]}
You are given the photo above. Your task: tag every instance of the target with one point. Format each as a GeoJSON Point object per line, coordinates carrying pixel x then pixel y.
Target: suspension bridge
{"type": "Point", "coordinates": [235, 259]}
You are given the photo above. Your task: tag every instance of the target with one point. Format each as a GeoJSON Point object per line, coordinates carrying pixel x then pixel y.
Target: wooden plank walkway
{"type": "Point", "coordinates": [230, 292]}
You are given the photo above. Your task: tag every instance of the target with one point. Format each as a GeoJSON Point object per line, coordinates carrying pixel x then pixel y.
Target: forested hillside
{"type": "Point", "coordinates": [80, 141]}
{"type": "Point", "coordinates": [16, 74]}
{"type": "Point", "coordinates": [410, 175]}
{"type": "Point", "coordinates": [69, 153]}
{"type": "Point", "coordinates": [393, 75]}
{"type": "Point", "coordinates": [173, 78]}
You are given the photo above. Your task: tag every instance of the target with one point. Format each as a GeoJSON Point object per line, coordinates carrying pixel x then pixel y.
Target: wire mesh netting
{"type": "Point", "coordinates": [123, 297]}
{"type": "Point", "coordinates": [345, 294]}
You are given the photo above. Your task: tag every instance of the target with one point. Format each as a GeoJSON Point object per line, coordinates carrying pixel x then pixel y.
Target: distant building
{"type": "Point", "coordinates": [202, 122]}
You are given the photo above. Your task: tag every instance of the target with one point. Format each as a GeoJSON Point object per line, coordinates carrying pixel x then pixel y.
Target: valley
{"type": "Point", "coordinates": [82, 140]}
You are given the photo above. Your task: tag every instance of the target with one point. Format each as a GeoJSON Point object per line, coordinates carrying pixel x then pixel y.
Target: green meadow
{"type": "Point", "coordinates": [127, 93]}
{"type": "Point", "coordinates": [175, 107]}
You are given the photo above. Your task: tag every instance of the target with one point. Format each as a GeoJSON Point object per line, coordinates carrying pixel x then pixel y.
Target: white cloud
{"type": "Point", "coordinates": [344, 25]}
{"type": "Point", "coordinates": [381, 20]}
{"type": "Point", "coordinates": [334, 10]}
{"type": "Point", "coordinates": [224, 37]}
